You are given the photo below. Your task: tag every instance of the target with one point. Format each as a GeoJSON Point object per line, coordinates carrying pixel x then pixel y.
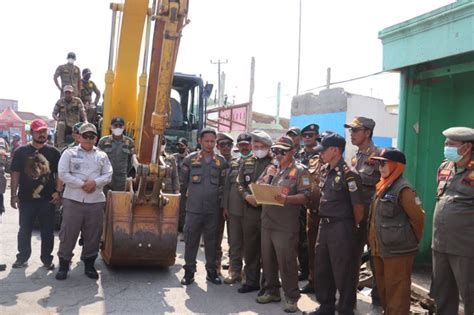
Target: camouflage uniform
{"type": "Point", "coordinates": [70, 75]}
{"type": "Point", "coordinates": [67, 114]}
{"type": "Point", "coordinates": [120, 154]}
{"type": "Point", "coordinates": [87, 87]}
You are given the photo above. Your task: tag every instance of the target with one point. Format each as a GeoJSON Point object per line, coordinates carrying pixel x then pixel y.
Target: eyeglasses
{"type": "Point", "coordinates": [355, 130]}
{"type": "Point", "coordinates": [279, 152]}
{"type": "Point", "coordinates": [225, 144]}
{"type": "Point", "coordinates": [88, 136]}
{"type": "Point", "coordinates": [308, 135]}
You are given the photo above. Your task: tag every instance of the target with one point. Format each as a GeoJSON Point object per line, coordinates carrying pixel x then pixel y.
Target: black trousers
{"type": "Point", "coordinates": [29, 211]}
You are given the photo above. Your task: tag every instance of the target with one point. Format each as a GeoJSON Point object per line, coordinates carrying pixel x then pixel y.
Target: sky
{"type": "Point", "coordinates": [35, 37]}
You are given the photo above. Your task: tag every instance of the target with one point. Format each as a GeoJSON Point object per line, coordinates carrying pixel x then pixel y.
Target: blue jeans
{"type": "Point", "coordinates": [29, 211]}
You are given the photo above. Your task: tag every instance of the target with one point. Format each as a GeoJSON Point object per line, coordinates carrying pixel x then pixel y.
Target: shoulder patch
{"type": "Point", "coordinates": [352, 186]}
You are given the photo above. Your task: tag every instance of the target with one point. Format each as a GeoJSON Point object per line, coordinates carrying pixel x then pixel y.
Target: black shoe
{"type": "Point", "coordinates": [213, 277]}
{"type": "Point", "coordinates": [302, 276]}
{"type": "Point", "coordinates": [247, 288]}
{"type": "Point", "coordinates": [48, 266]}
{"type": "Point", "coordinates": [3, 267]}
{"type": "Point", "coordinates": [225, 266]}
{"type": "Point", "coordinates": [81, 241]}
{"type": "Point", "coordinates": [63, 269]}
{"type": "Point", "coordinates": [19, 264]}
{"type": "Point", "coordinates": [188, 278]}
{"type": "Point", "coordinates": [89, 269]}
{"type": "Point", "coordinates": [319, 312]}
{"type": "Point", "coordinates": [307, 289]}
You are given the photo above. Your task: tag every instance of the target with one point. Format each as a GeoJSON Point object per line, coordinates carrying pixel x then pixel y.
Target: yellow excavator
{"type": "Point", "coordinates": [141, 223]}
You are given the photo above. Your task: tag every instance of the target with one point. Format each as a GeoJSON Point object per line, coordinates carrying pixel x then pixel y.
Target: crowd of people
{"type": "Point", "coordinates": [326, 212]}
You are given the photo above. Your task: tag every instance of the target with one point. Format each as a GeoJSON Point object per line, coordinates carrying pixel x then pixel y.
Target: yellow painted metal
{"type": "Point", "coordinates": [121, 97]}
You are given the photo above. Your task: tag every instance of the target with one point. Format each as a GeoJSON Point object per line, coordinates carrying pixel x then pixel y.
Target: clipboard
{"type": "Point", "coordinates": [265, 194]}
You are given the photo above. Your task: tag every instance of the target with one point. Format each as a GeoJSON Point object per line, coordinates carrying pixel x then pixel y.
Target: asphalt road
{"type": "Point", "coordinates": [34, 290]}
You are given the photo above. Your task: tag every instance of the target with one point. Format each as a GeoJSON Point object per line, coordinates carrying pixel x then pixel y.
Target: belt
{"type": "Point", "coordinates": [327, 220]}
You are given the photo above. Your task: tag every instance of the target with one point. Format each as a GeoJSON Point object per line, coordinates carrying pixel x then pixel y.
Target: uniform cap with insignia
{"type": "Point", "coordinates": [331, 140]}
{"type": "Point", "coordinates": [391, 154]}
{"type": "Point", "coordinates": [117, 121]}
{"type": "Point", "coordinates": [224, 136]}
{"type": "Point", "coordinates": [71, 55]}
{"type": "Point", "coordinates": [68, 88]}
{"type": "Point", "coordinates": [88, 127]}
{"type": "Point", "coordinates": [244, 138]}
{"type": "Point", "coordinates": [361, 122]}
{"type": "Point", "coordinates": [77, 126]}
{"type": "Point", "coordinates": [294, 131]}
{"type": "Point", "coordinates": [183, 141]}
{"type": "Point", "coordinates": [284, 143]}
{"type": "Point", "coordinates": [463, 134]}
{"type": "Point", "coordinates": [261, 136]}
{"type": "Point", "coordinates": [311, 128]}
{"type": "Point", "coordinates": [86, 71]}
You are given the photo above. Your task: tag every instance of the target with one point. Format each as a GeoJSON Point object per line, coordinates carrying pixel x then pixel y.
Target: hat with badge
{"type": "Point", "coordinates": [391, 154]}
{"type": "Point", "coordinates": [224, 136]}
{"type": "Point", "coordinates": [262, 136]}
{"type": "Point", "coordinates": [86, 71]}
{"type": "Point", "coordinates": [294, 131]}
{"type": "Point", "coordinates": [311, 128]}
{"type": "Point", "coordinates": [68, 88]}
{"type": "Point", "coordinates": [88, 127]}
{"type": "Point", "coordinates": [284, 143]}
{"type": "Point", "coordinates": [331, 140]}
{"type": "Point", "coordinates": [117, 121]}
{"type": "Point", "coordinates": [463, 134]}
{"type": "Point", "coordinates": [244, 138]}
{"type": "Point", "coordinates": [182, 141]}
{"type": "Point", "coordinates": [361, 122]}
{"type": "Point", "coordinates": [77, 126]}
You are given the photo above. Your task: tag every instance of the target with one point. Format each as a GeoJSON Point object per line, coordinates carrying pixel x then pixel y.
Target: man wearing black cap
{"type": "Point", "coordinates": [87, 88]}
{"type": "Point", "coordinates": [69, 74]}
{"type": "Point", "coordinates": [120, 150]}
{"type": "Point", "coordinates": [234, 204]}
{"type": "Point", "coordinates": [453, 224]}
{"type": "Point", "coordinates": [280, 225]}
{"type": "Point", "coordinates": [182, 152]}
{"type": "Point", "coordinates": [295, 134]}
{"type": "Point", "coordinates": [341, 210]}
{"type": "Point", "coordinates": [249, 173]}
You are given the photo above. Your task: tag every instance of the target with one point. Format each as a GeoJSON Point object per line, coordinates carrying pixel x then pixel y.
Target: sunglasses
{"type": "Point", "coordinates": [226, 144]}
{"type": "Point", "coordinates": [308, 135]}
{"type": "Point", "coordinates": [88, 136]}
{"type": "Point", "coordinates": [279, 152]}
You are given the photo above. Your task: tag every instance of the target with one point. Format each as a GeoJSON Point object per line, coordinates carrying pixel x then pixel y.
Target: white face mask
{"type": "Point", "coordinates": [260, 154]}
{"type": "Point", "coordinates": [70, 61]}
{"type": "Point", "coordinates": [117, 131]}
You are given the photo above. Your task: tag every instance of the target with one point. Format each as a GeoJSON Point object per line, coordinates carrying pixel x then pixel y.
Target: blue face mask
{"type": "Point", "coordinates": [246, 156]}
{"type": "Point", "coordinates": [451, 154]}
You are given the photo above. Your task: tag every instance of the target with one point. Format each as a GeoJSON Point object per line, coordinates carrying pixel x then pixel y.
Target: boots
{"type": "Point", "coordinates": [63, 269]}
{"type": "Point", "coordinates": [89, 269]}
{"type": "Point", "coordinates": [188, 278]}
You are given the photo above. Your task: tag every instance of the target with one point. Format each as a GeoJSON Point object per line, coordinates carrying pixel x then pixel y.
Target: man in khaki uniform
{"type": "Point", "coordinates": [87, 88]}
{"type": "Point", "coordinates": [234, 204]}
{"type": "Point", "coordinates": [171, 183]}
{"type": "Point", "coordinates": [250, 171]}
{"type": "Point", "coordinates": [453, 225]}
{"type": "Point", "coordinates": [280, 225]}
{"type": "Point", "coordinates": [69, 74]}
{"type": "Point", "coordinates": [361, 130]}
{"type": "Point", "coordinates": [68, 111]}
{"type": "Point", "coordinates": [182, 148]}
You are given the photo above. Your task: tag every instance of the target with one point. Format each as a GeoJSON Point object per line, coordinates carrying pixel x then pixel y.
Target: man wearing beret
{"type": "Point", "coordinates": [341, 210]}
{"type": "Point", "coordinates": [280, 225]}
{"type": "Point", "coordinates": [249, 173]}
{"type": "Point", "coordinates": [453, 224]}
{"type": "Point", "coordinates": [361, 130]}
{"type": "Point", "coordinates": [120, 150]}
{"type": "Point", "coordinates": [234, 204]}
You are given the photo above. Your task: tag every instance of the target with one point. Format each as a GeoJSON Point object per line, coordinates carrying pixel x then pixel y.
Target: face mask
{"type": "Point", "coordinates": [451, 154]}
{"type": "Point", "coordinates": [70, 61]}
{"type": "Point", "coordinates": [260, 154]}
{"type": "Point", "coordinates": [117, 131]}
{"type": "Point", "coordinates": [245, 156]}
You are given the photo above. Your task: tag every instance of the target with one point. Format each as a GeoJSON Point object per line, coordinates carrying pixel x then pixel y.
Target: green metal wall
{"type": "Point", "coordinates": [431, 101]}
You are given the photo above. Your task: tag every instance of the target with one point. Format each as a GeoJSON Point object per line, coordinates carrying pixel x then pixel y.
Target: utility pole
{"type": "Point", "coordinates": [277, 120]}
{"type": "Point", "coordinates": [328, 78]}
{"type": "Point", "coordinates": [218, 63]}
{"type": "Point", "coordinates": [299, 55]}
{"type": "Point", "coordinates": [252, 89]}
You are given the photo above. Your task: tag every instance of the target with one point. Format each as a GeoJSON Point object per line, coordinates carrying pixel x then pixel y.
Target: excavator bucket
{"type": "Point", "coordinates": [139, 235]}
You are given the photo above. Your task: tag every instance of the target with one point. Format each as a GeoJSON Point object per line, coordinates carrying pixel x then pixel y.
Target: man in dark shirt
{"type": "Point", "coordinates": [34, 175]}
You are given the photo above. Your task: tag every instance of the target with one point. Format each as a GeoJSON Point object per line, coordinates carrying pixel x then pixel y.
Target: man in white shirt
{"type": "Point", "coordinates": [85, 170]}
